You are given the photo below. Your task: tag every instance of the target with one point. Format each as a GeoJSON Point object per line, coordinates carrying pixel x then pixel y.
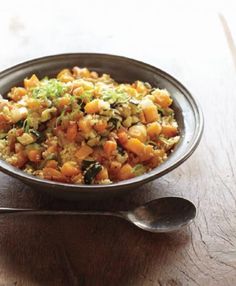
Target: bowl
{"type": "Point", "coordinates": [187, 111]}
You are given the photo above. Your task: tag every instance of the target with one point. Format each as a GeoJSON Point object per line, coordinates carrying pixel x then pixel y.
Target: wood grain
{"type": "Point", "coordinates": [187, 40]}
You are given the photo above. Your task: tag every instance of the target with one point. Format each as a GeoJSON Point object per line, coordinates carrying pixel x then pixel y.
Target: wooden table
{"type": "Point", "coordinates": [193, 41]}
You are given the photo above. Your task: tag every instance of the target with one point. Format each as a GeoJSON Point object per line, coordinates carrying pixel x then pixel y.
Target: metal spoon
{"type": "Point", "coordinates": [161, 215]}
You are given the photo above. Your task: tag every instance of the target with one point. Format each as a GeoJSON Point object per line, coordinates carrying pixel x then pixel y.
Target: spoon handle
{"type": "Point", "coordinates": [20, 211]}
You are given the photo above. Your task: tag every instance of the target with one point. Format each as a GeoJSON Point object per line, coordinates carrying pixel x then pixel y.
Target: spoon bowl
{"type": "Point", "coordinates": [163, 215]}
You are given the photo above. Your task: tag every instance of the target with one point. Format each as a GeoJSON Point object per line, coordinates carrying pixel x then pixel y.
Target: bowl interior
{"type": "Point", "coordinates": [122, 69]}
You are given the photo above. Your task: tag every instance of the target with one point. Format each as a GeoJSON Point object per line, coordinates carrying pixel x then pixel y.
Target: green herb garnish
{"type": "Point", "coordinates": [49, 88]}
{"type": "Point", "coordinates": [115, 97]}
{"type": "Point", "coordinates": [59, 118]}
{"type": "Point", "coordinates": [86, 96]}
{"type": "Point", "coordinates": [26, 125]}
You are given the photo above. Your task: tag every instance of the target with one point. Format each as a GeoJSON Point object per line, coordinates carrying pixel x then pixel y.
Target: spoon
{"type": "Point", "coordinates": [161, 215]}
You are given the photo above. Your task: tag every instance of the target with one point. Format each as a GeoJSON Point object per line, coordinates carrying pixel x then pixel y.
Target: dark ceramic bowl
{"type": "Point", "coordinates": [188, 115]}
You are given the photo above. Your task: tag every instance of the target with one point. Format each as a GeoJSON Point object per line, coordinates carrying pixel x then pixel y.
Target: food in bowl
{"type": "Point", "coordinates": [83, 128]}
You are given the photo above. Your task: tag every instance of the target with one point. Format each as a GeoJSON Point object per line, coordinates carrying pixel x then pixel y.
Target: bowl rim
{"type": "Point", "coordinates": [142, 179]}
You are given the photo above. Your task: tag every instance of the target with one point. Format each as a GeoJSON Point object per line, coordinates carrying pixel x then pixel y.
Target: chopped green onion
{"type": "Point", "coordinates": [49, 88]}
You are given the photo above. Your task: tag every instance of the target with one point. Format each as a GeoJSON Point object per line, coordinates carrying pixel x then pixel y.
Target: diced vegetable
{"type": "Point", "coordinates": [154, 129]}
{"type": "Point", "coordinates": [91, 173]}
{"type": "Point", "coordinates": [138, 131]}
{"type": "Point", "coordinates": [79, 73]}
{"type": "Point", "coordinates": [26, 139]}
{"type": "Point", "coordinates": [140, 87]}
{"type": "Point", "coordinates": [83, 152]}
{"type": "Point", "coordinates": [86, 163]}
{"type": "Point", "coordinates": [34, 155]}
{"type": "Point", "coordinates": [71, 131]}
{"type": "Point", "coordinates": [115, 166]}
{"type": "Point", "coordinates": [135, 145]}
{"type": "Point", "coordinates": [65, 76]}
{"type": "Point", "coordinates": [4, 121]}
{"type": "Point", "coordinates": [122, 137]}
{"type": "Point", "coordinates": [19, 147]}
{"type": "Point", "coordinates": [93, 106]}
{"type": "Point", "coordinates": [33, 152]}
{"type": "Point", "coordinates": [162, 97]}
{"type": "Point", "coordinates": [17, 93]}
{"type": "Point", "coordinates": [31, 82]}
{"type": "Point", "coordinates": [84, 125]}
{"type": "Point", "coordinates": [100, 126]}
{"type": "Point", "coordinates": [20, 160]}
{"type": "Point", "coordinates": [70, 169]}
{"type": "Point", "coordinates": [102, 175]}
{"type": "Point", "coordinates": [149, 110]}
{"type": "Point", "coordinates": [151, 113]}
{"type": "Point", "coordinates": [148, 153]}
{"type": "Point", "coordinates": [126, 172]}
{"type": "Point", "coordinates": [33, 104]}
{"type": "Point", "coordinates": [109, 147]}
{"type": "Point", "coordinates": [51, 164]}
{"type": "Point", "coordinates": [64, 101]}
{"type": "Point", "coordinates": [54, 175]}
{"type": "Point", "coordinates": [169, 130]}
